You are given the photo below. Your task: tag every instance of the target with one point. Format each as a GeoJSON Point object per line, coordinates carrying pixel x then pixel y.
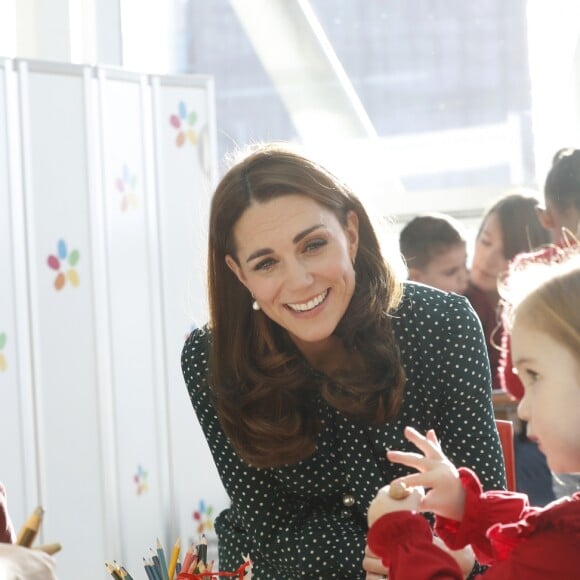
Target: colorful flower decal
{"type": "Point", "coordinates": [203, 517]}
{"type": "Point", "coordinates": [3, 362]}
{"type": "Point", "coordinates": [126, 185]}
{"type": "Point", "coordinates": [183, 122]}
{"type": "Point", "coordinates": [59, 263]}
{"type": "Point", "coordinates": [140, 479]}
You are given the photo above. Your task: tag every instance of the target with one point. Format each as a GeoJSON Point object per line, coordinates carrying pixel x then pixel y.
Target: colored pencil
{"type": "Point", "coordinates": [191, 552]}
{"type": "Point", "coordinates": [111, 570]}
{"type": "Point", "coordinates": [49, 548]}
{"type": "Point", "coordinates": [173, 559]}
{"type": "Point", "coordinates": [162, 560]}
{"type": "Point", "coordinates": [29, 530]}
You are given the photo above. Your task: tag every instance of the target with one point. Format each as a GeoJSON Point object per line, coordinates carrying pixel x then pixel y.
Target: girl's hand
{"type": "Point", "coordinates": [445, 495]}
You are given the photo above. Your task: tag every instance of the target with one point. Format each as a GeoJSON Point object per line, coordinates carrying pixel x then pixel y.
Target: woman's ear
{"type": "Point", "coordinates": [351, 231]}
{"type": "Point", "coordinates": [235, 268]}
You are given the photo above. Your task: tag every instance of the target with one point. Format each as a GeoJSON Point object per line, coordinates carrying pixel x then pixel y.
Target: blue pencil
{"type": "Point", "coordinates": [156, 565]}
{"type": "Point", "coordinates": [148, 570]}
{"type": "Point", "coordinates": [162, 561]}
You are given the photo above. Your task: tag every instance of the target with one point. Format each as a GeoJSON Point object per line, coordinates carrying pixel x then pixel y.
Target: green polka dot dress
{"type": "Point", "coordinates": [308, 520]}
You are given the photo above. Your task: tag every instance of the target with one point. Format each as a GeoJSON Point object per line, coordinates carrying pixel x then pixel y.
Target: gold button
{"type": "Point", "coordinates": [348, 500]}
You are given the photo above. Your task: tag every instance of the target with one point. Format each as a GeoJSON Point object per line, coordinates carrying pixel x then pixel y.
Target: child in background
{"type": "Point", "coordinates": [517, 540]}
{"type": "Point", "coordinates": [433, 246]}
{"type": "Point", "coordinates": [510, 226]}
{"type": "Point", "coordinates": [560, 214]}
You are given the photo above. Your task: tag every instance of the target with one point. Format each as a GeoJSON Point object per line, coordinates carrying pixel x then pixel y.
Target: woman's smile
{"type": "Point", "coordinates": [310, 304]}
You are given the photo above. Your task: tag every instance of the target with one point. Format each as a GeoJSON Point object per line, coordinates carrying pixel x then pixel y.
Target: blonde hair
{"type": "Point", "coordinates": [544, 288]}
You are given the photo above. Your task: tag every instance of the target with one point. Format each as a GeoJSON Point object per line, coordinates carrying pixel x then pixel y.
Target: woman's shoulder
{"type": "Point", "coordinates": [195, 355]}
{"type": "Point", "coordinates": [420, 300]}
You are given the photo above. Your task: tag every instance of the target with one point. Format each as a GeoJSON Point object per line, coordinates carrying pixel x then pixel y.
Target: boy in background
{"type": "Point", "coordinates": [435, 252]}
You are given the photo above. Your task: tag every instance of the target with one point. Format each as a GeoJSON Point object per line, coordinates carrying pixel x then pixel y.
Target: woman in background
{"type": "Point", "coordinates": [314, 359]}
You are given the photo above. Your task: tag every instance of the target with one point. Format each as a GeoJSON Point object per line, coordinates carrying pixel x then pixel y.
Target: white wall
{"type": "Point", "coordinates": [102, 281]}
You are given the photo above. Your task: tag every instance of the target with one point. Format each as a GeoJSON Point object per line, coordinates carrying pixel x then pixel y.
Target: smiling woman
{"type": "Point", "coordinates": [314, 358]}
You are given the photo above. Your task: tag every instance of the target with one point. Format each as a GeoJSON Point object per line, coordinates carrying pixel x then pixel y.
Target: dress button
{"type": "Point", "coordinates": [348, 500]}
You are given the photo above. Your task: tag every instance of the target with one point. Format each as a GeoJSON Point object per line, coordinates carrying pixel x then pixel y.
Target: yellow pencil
{"type": "Point", "coordinates": [29, 530]}
{"type": "Point", "coordinates": [112, 571]}
{"type": "Point", "coordinates": [173, 559]}
{"type": "Point", "coordinates": [49, 548]}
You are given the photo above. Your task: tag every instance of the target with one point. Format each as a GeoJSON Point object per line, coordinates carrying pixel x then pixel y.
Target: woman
{"type": "Point", "coordinates": [509, 226]}
{"type": "Point", "coordinates": [314, 359]}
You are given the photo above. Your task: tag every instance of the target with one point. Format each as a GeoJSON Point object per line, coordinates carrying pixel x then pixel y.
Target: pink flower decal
{"type": "Point", "coordinates": [140, 479]}
{"type": "Point", "coordinates": [203, 517]}
{"type": "Point", "coordinates": [126, 185]}
{"type": "Point", "coordinates": [63, 263]}
{"type": "Point", "coordinates": [183, 122]}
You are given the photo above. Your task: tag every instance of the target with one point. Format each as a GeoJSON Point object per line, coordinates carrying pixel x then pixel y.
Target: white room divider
{"type": "Point", "coordinates": [105, 184]}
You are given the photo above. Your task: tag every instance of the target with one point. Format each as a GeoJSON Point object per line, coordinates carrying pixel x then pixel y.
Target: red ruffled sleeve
{"type": "Point", "coordinates": [404, 542]}
{"type": "Point", "coordinates": [482, 512]}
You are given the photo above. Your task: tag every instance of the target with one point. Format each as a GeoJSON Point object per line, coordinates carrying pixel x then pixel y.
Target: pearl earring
{"type": "Point", "coordinates": [255, 305]}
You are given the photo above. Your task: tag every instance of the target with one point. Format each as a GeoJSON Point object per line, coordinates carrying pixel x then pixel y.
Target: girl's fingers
{"type": "Point", "coordinates": [422, 480]}
{"type": "Point", "coordinates": [406, 458]}
{"type": "Point", "coordinates": [429, 444]}
{"type": "Point", "coordinates": [432, 436]}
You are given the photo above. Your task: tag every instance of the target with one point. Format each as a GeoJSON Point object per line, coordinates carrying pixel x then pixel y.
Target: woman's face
{"type": "Point", "coordinates": [488, 259]}
{"type": "Point", "coordinates": [550, 373]}
{"type": "Point", "coordinates": [296, 258]}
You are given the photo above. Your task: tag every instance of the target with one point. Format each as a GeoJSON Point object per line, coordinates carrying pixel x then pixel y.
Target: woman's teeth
{"type": "Point", "coordinates": [310, 304]}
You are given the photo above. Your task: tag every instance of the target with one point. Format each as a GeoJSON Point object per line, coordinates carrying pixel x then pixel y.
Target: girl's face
{"type": "Point", "coordinates": [296, 259]}
{"type": "Point", "coordinates": [488, 258]}
{"type": "Point", "coordinates": [550, 373]}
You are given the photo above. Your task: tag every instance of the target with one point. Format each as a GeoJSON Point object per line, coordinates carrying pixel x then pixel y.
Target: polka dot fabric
{"type": "Point", "coordinates": [309, 520]}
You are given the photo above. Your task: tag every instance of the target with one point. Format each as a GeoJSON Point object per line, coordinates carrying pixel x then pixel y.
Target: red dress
{"type": "Point", "coordinates": [516, 540]}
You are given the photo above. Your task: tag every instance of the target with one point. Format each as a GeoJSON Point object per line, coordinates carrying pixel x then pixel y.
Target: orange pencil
{"type": "Point", "coordinates": [189, 555]}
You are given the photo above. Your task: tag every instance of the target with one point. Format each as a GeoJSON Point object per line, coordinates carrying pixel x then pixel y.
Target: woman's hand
{"type": "Point", "coordinates": [445, 495]}
{"type": "Point", "coordinates": [373, 566]}
{"type": "Point", "coordinates": [383, 503]}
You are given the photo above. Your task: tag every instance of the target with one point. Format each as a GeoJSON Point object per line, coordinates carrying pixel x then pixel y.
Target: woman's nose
{"type": "Point", "coordinates": [298, 275]}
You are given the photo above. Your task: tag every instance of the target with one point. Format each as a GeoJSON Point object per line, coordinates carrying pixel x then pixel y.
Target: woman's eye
{"type": "Point", "coordinates": [486, 243]}
{"type": "Point", "coordinates": [314, 245]}
{"type": "Point", "coordinates": [266, 264]}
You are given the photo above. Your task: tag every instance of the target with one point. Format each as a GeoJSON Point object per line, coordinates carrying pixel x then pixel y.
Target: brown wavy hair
{"type": "Point", "coordinates": [263, 388]}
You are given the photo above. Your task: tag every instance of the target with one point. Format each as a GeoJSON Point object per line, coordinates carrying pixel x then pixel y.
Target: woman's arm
{"type": "Point", "coordinates": [466, 422]}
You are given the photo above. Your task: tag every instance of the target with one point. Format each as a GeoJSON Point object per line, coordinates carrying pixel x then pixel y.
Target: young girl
{"type": "Point", "coordinates": [510, 226]}
{"type": "Point", "coordinates": [517, 540]}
